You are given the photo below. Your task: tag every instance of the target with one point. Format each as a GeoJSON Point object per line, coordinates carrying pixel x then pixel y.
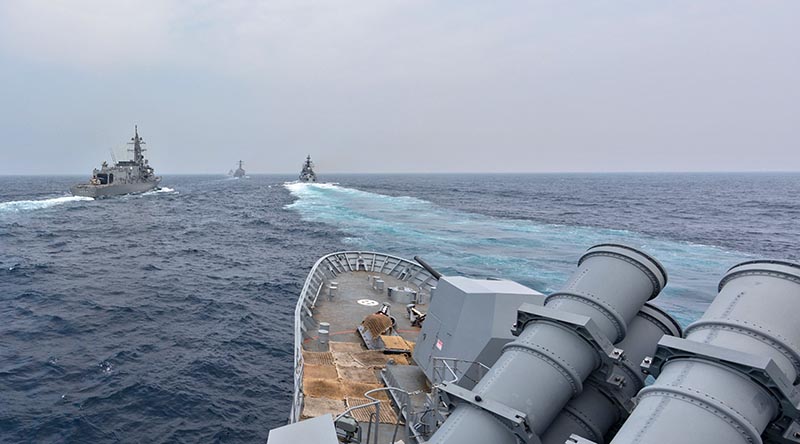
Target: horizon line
{"type": "Point", "coordinates": [431, 173]}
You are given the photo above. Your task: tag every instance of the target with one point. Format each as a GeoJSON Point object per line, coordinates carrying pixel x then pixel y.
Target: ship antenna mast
{"type": "Point", "coordinates": [137, 143]}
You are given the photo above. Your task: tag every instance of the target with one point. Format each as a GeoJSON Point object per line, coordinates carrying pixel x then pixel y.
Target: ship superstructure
{"type": "Point", "coordinates": [239, 173]}
{"type": "Point", "coordinates": [388, 350]}
{"type": "Point", "coordinates": [124, 177]}
{"type": "Point", "coordinates": [307, 174]}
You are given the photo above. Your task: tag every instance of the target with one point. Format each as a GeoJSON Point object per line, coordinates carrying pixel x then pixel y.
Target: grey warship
{"type": "Point", "coordinates": [124, 177]}
{"type": "Point", "coordinates": [307, 174]}
{"type": "Point", "coordinates": [239, 173]}
{"type": "Point", "coordinates": [388, 350]}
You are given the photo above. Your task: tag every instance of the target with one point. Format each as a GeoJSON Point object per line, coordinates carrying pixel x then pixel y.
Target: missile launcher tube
{"type": "Point", "coordinates": [700, 399]}
{"type": "Point", "coordinates": [546, 365]}
{"type": "Point", "coordinates": [602, 405]}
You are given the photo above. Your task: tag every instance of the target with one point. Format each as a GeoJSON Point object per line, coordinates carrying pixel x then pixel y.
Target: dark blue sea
{"type": "Point", "coordinates": [167, 317]}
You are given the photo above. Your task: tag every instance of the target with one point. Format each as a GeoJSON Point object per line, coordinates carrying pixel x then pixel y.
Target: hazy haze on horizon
{"type": "Point", "coordinates": [401, 86]}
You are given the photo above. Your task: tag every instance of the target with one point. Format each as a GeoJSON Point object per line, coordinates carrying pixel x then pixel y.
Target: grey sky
{"type": "Point", "coordinates": [402, 86]}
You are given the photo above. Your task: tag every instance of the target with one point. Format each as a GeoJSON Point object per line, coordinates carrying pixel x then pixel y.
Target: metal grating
{"type": "Point", "coordinates": [387, 414]}
{"type": "Point", "coordinates": [318, 358]}
{"type": "Point", "coordinates": [396, 343]}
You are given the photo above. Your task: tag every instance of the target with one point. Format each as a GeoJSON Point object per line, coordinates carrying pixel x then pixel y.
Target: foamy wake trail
{"type": "Point", "coordinates": [160, 190]}
{"type": "Point", "coordinates": [25, 205]}
{"type": "Point", "coordinates": [536, 254]}
{"type": "Point", "coordinates": [308, 190]}
{"type": "Point", "coordinates": [297, 186]}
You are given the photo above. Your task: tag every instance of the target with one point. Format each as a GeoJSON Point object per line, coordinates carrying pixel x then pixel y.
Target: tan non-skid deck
{"type": "Point", "coordinates": [336, 379]}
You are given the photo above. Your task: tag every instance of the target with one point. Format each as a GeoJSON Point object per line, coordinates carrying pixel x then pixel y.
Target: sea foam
{"type": "Point", "coordinates": [17, 206]}
{"type": "Point", "coordinates": [536, 254]}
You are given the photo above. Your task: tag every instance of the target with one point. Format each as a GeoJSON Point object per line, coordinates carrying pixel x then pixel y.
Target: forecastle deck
{"type": "Point", "coordinates": [342, 289]}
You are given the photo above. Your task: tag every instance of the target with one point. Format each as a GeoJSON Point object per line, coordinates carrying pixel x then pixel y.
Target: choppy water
{"type": "Point", "coordinates": [166, 317]}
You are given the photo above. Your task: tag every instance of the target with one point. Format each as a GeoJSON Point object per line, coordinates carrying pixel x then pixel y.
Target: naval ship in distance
{"type": "Point", "coordinates": [307, 174]}
{"type": "Point", "coordinates": [239, 173]}
{"type": "Point", "coordinates": [124, 177]}
{"type": "Point", "coordinates": [388, 350]}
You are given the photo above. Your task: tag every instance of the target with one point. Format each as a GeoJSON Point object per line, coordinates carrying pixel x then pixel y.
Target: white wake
{"type": "Point", "coordinates": [16, 206]}
{"type": "Point", "coordinates": [158, 191]}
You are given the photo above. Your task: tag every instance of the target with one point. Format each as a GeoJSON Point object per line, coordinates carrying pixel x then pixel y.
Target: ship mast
{"type": "Point", "coordinates": [137, 143]}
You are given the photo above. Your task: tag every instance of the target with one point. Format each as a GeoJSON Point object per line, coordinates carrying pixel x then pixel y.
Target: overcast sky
{"type": "Point", "coordinates": [401, 86]}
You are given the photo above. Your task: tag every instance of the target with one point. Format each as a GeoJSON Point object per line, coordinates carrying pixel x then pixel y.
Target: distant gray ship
{"type": "Point", "coordinates": [239, 173]}
{"type": "Point", "coordinates": [307, 173]}
{"type": "Point", "coordinates": [125, 177]}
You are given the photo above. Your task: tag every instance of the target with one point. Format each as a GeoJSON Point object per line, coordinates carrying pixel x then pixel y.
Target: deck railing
{"type": "Point", "coordinates": [326, 268]}
{"type": "Point", "coordinates": [453, 370]}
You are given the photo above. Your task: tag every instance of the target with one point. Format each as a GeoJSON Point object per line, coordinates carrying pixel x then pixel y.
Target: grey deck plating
{"type": "Point", "coordinates": [331, 381]}
{"type": "Point", "coordinates": [344, 313]}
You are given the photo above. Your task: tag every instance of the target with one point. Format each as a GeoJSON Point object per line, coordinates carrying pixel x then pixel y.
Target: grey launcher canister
{"type": "Point", "coordinates": [558, 347]}
{"type": "Point", "coordinates": [607, 399]}
{"type": "Point", "coordinates": [732, 379]}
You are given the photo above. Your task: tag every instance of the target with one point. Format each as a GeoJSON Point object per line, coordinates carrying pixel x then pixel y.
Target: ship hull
{"type": "Point", "coordinates": [100, 191]}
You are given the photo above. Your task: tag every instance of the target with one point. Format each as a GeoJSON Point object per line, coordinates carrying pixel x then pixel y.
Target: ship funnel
{"type": "Point", "coordinates": [558, 347]}
{"type": "Point", "coordinates": [733, 378]}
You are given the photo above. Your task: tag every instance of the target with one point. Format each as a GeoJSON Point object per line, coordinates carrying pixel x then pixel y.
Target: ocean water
{"type": "Point", "coordinates": [167, 316]}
